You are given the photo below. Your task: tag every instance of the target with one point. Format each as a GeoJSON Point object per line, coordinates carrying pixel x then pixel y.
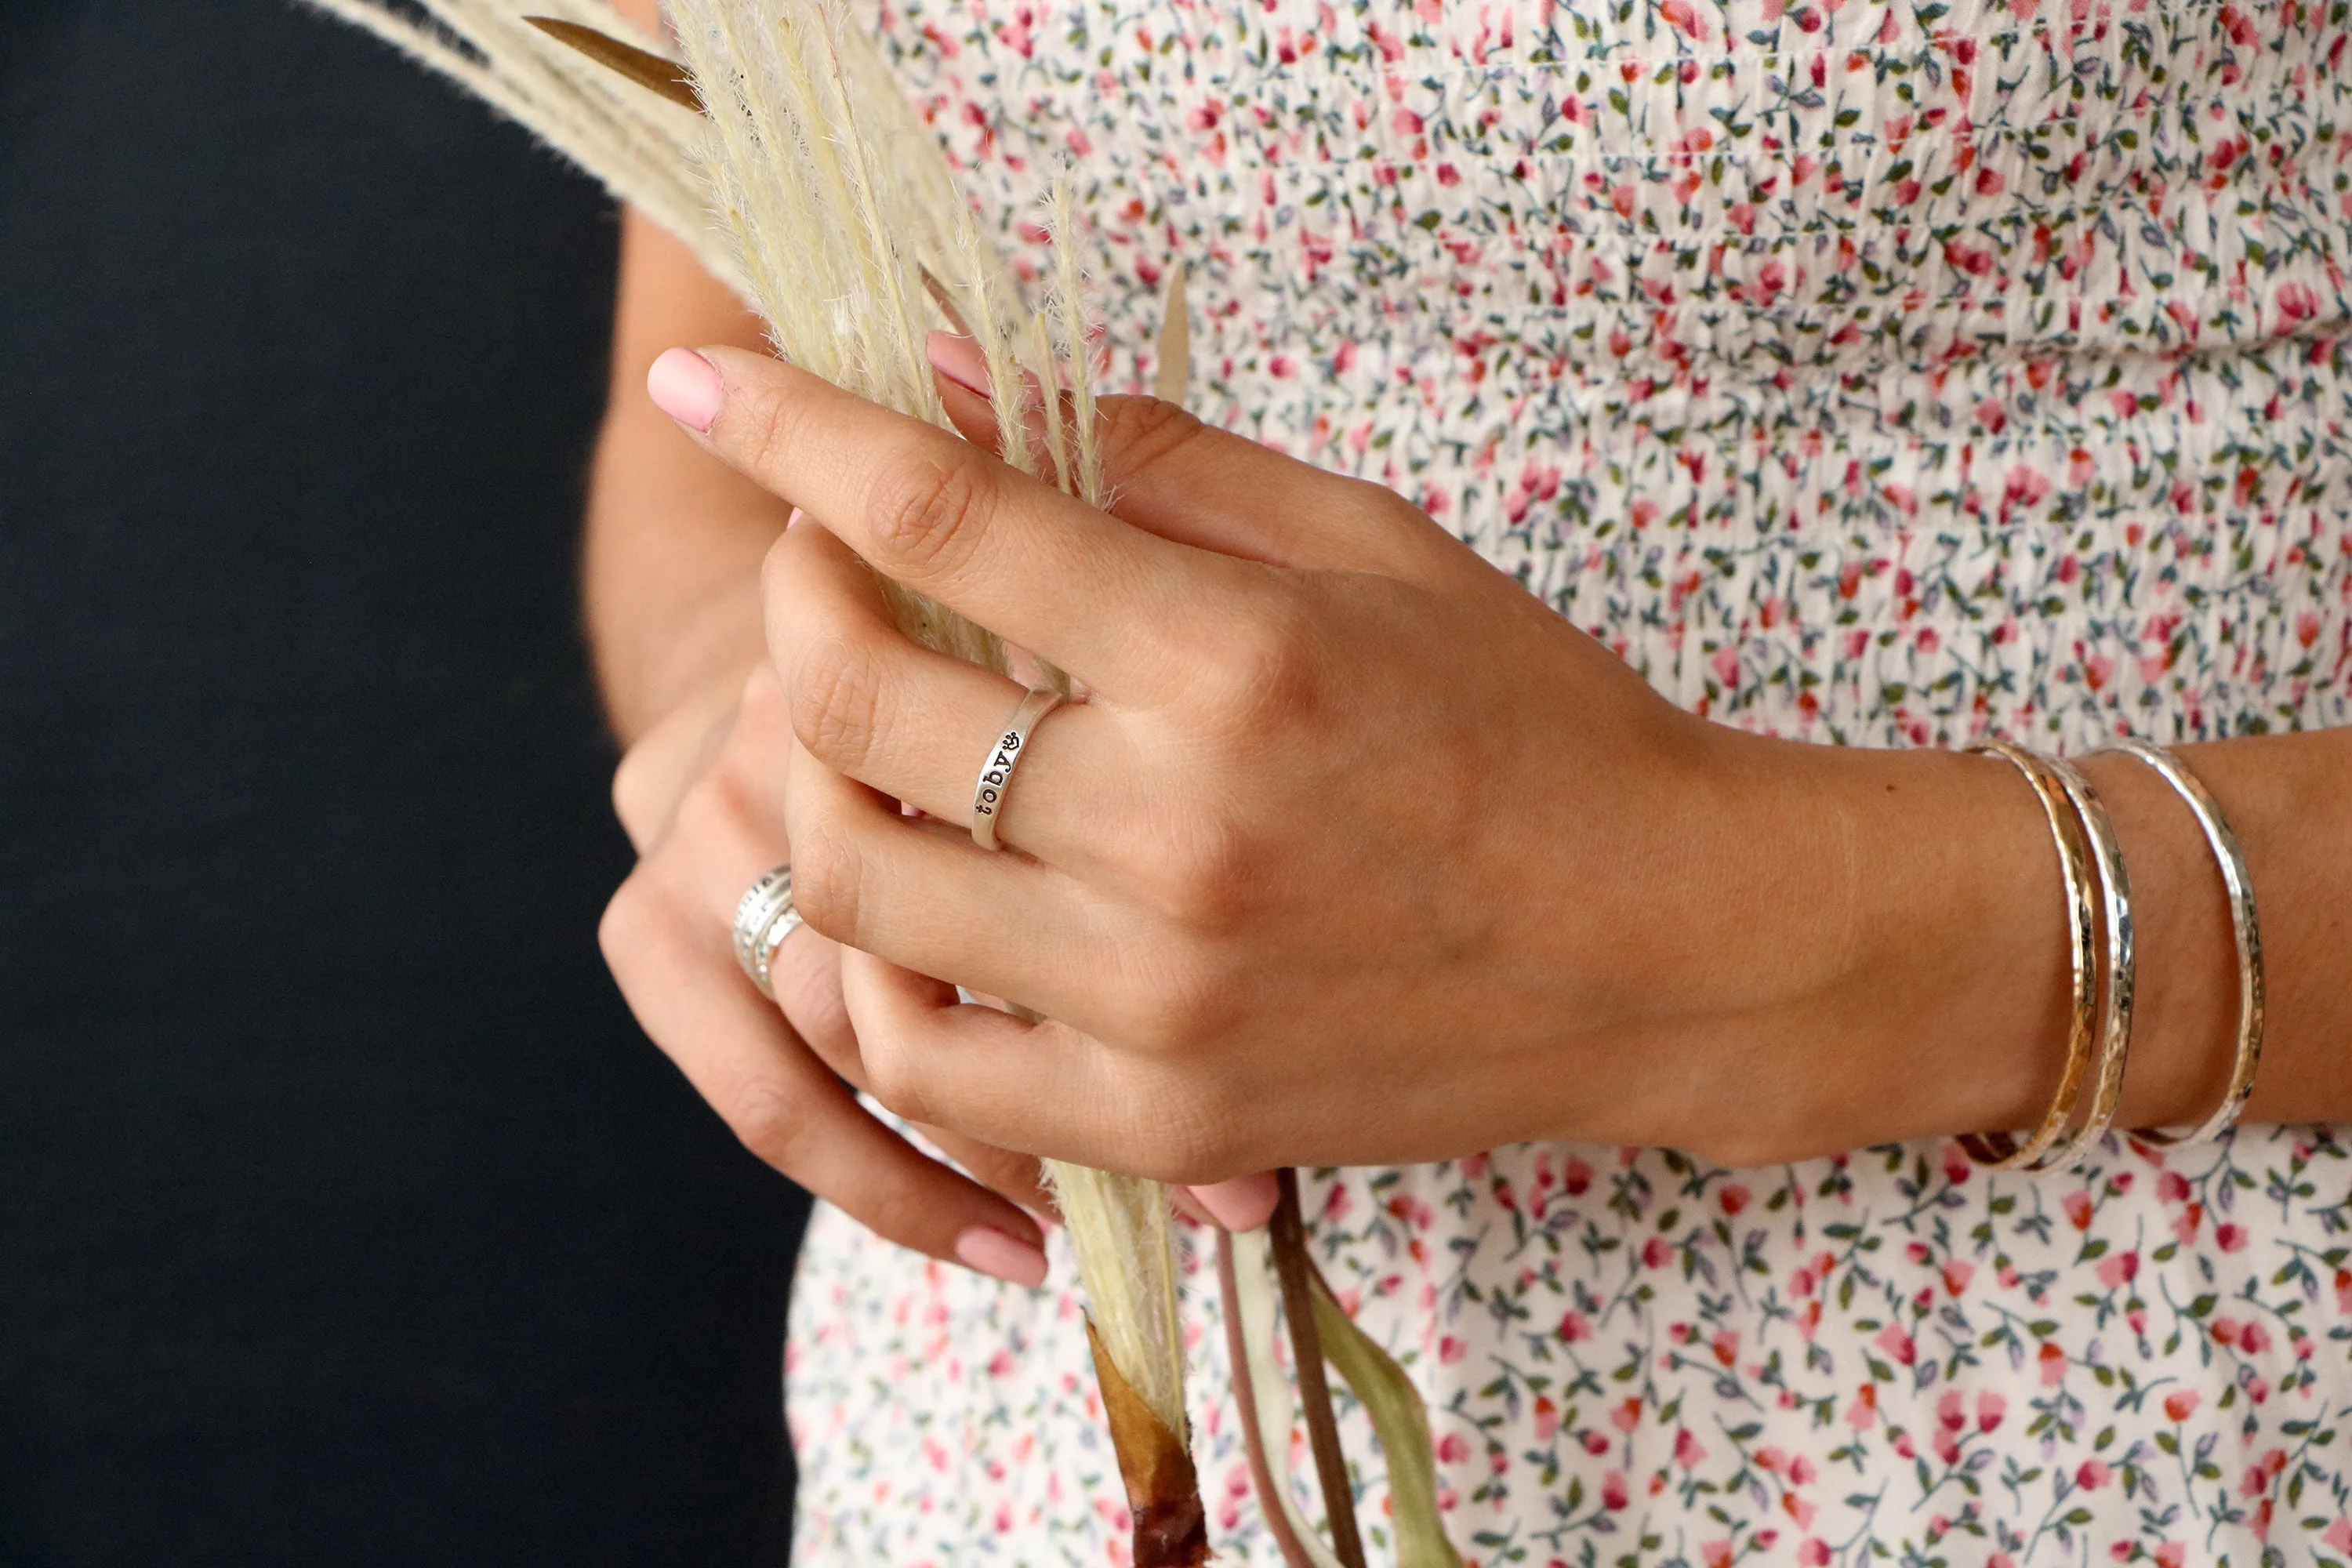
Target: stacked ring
{"type": "Point", "coordinates": [764, 918]}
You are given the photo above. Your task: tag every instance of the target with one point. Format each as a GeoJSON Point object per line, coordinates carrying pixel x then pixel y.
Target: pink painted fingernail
{"type": "Point", "coordinates": [686, 387]}
{"type": "Point", "coordinates": [1245, 1203]}
{"type": "Point", "coordinates": [960, 360]}
{"type": "Point", "coordinates": [992, 1252]}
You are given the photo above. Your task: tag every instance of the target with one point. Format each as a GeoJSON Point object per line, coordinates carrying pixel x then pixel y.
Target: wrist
{"type": "Point", "coordinates": [1950, 1014]}
{"type": "Point", "coordinates": [1924, 986]}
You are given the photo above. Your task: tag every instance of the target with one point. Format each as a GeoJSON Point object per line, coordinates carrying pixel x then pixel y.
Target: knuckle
{"type": "Point", "coordinates": [771, 1120]}
{"type": "Point", "coordinates": [1269, 673]}
{"type": "Point", "coordinates": [1139, 433]}
{"type": "Point", "coordinates": [1178, 1009]}
{"type": "Point", "coordinates": [716, 807]}
{"type": "Point", "coordinates": [1201, 874]}
{"type": "Point", "coordinates": [828, 878]}
{"type": "Point", "coordinates": [839, 704]}
{"type": "Point", "coordinates": [761, 701]}
{"type": "Point", "coordinates": [894, 1078]}
{"type": "Point", "coordinates": [636, 796]}
{"type": "Point", "coordinates": [639, 922]}
{"type": "Point", "coordinates": [771, 432]}
{"type": "Point", "coordinates": [1188, 1141]}
{"type": "Point", "coordinates": [621, 933]}
{"type": "Point", "coordinates": [927, 514]}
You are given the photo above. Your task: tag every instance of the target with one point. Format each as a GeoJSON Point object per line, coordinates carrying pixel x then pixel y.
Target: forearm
{"type": "Point", "coordinates": [674, 539]}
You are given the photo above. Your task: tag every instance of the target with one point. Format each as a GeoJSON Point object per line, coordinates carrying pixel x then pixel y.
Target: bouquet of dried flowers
{"type": "Point", "coordinates": [778, 149]}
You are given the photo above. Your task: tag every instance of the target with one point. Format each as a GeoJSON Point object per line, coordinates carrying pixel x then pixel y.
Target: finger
{"type": "Point", "coordinates": [949, 521]}
{"type": "Point", "coordinates": [993, 1076]}
{"type": "Point", "coordinates": [739, 1055]}
{"type": "Point", "coordinates": [1019, 1177]}
{"type": "Point", "coordinates": [807, 976]}
{"type": "Point", "coordinates": [918, 725]}
{"type": "Point", "coordinates": [937, 1059]}
{"type": "Point", "coordinates": [1185, 481]}
{"type": "Point", "coordinates": [1245, 1203]}
{"type": "Point", "coordinates": [921, 893]}
{"type": "Point", "coordinates": [662, 763]}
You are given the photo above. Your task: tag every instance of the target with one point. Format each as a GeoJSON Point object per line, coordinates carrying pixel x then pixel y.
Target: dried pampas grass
{"type": "Point", "coordinates": [785, 157]}
{"type": "Point", "coordinates": [792, 164]}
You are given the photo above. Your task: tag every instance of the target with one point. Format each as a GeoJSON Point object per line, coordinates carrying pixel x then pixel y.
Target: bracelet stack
{"type": "Point", "coordinates": [2103, 965]}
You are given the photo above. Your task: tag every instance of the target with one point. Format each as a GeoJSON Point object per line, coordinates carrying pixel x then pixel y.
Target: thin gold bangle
{"type": "Point", "coordinates": [2119, 970]}
{"type": "Point", "coordinates": [2245, 930]}
{"type": "Point", "coordinates": [2003, 1151]}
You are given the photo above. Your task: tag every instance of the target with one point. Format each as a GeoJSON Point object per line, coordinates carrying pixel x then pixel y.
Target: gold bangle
{"type": "Point", "coordinates": [2003, 1151]}
{"type": "Point", "coordinates": [2245, 930]}
{"type": "Point", "coordinates": [2119, 971]}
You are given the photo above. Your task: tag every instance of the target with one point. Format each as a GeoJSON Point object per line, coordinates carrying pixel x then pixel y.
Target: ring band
{"type": "Point", "coordinates": [764, 918]}
{"type": "Point", "coordinates": [1003, 756]}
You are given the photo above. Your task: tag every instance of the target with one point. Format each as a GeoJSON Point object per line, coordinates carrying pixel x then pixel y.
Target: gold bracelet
{"type": "Point", "coordinates": [2245, 928]}
{"type": "Point", "coordinates": [2119, 969]}
{"type": "Point", "coordinates": [2003, 1151]}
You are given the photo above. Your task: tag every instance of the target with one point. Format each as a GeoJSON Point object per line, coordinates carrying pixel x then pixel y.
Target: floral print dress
{"type": "Point", "coordinates": [1864, 372]}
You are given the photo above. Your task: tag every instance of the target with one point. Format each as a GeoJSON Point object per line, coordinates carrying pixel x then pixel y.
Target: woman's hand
{"type": "Point", "coordinates": [702, 797]}
{"type": "Point", "coordinates": [1357, 853]}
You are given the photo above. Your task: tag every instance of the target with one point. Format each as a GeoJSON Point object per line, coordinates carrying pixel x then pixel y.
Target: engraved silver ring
{"type": "Point", "coordinates": [764, 920]}
{"type": "Point", "coordinates": [1003, 756]}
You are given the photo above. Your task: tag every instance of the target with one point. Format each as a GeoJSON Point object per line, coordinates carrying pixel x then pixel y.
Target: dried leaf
{"type": "Point", "coordinates": [1401, 1422]}
{"type": "Point", "coordinates": [1294, 1268]}
{"type": "Point", "coordinates": [1171, 1530]}
{"type": "Point", "coordinates": [643, 67]}
{"type": "Point", "coordinates": [1262, 1389]}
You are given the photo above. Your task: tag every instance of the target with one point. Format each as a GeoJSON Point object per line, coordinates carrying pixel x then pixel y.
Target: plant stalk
{"type": "Point", "coordinates": [1293, 1269]}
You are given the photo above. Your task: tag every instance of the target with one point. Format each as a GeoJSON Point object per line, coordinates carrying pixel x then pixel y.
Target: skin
{"type": "Point", "coordinates": [1356, 854]}
{"type": "Point", "coordinates": [673, 551]}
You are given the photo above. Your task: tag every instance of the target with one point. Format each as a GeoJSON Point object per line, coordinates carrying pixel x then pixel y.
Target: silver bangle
{"type": "Point", "coordinates": [2245, 928]}
{"type": "Point", "coordinates": [2007, 1151]}
{"type": "Point", "coordinates": [1003, 756]}
{"type": "Point", "coordinates": [2116, 995]}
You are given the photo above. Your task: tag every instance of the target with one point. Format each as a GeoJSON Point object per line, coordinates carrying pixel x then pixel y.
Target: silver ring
{"type": "Point", "coordinates": [1003, 756]}
{"type": "Point", "coordinates": [764, 918]}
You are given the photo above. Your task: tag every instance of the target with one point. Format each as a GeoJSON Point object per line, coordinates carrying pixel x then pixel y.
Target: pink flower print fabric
{"type": "Point", "coordinates": [1861, 372]}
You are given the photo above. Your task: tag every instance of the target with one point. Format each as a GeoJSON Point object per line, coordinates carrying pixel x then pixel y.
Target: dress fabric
{"type": "Point", "coordinates": [1860, 373]}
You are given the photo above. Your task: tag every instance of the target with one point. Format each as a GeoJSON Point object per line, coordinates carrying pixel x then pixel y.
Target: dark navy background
{"type": "Point", "coordinates": [345, 1218]}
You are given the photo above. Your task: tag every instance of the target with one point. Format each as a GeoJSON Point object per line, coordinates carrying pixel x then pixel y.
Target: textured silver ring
{"type": "Point", "coordinates": [764, 919]}
{"type": "Point", "coordinates": [1003, 756]}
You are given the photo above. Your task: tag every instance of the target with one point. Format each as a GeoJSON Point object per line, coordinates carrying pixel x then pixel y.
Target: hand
{"type": "Point", "coordinates": [701, 796]}
{"type": "Point", "coordinates": [1358, 854]}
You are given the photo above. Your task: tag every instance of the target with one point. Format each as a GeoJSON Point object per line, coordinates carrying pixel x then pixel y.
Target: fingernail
{"type": "Point", "coordinates": [960, 360]}
{"type": "Point", "coordinates": [686, 387]}
{"type": "Point", "coordinates": [992, 1252]}
{"type": "Point", "coordinates": [1245, 1203]}
{"type": "Point", "coordinates": [793, 522]}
